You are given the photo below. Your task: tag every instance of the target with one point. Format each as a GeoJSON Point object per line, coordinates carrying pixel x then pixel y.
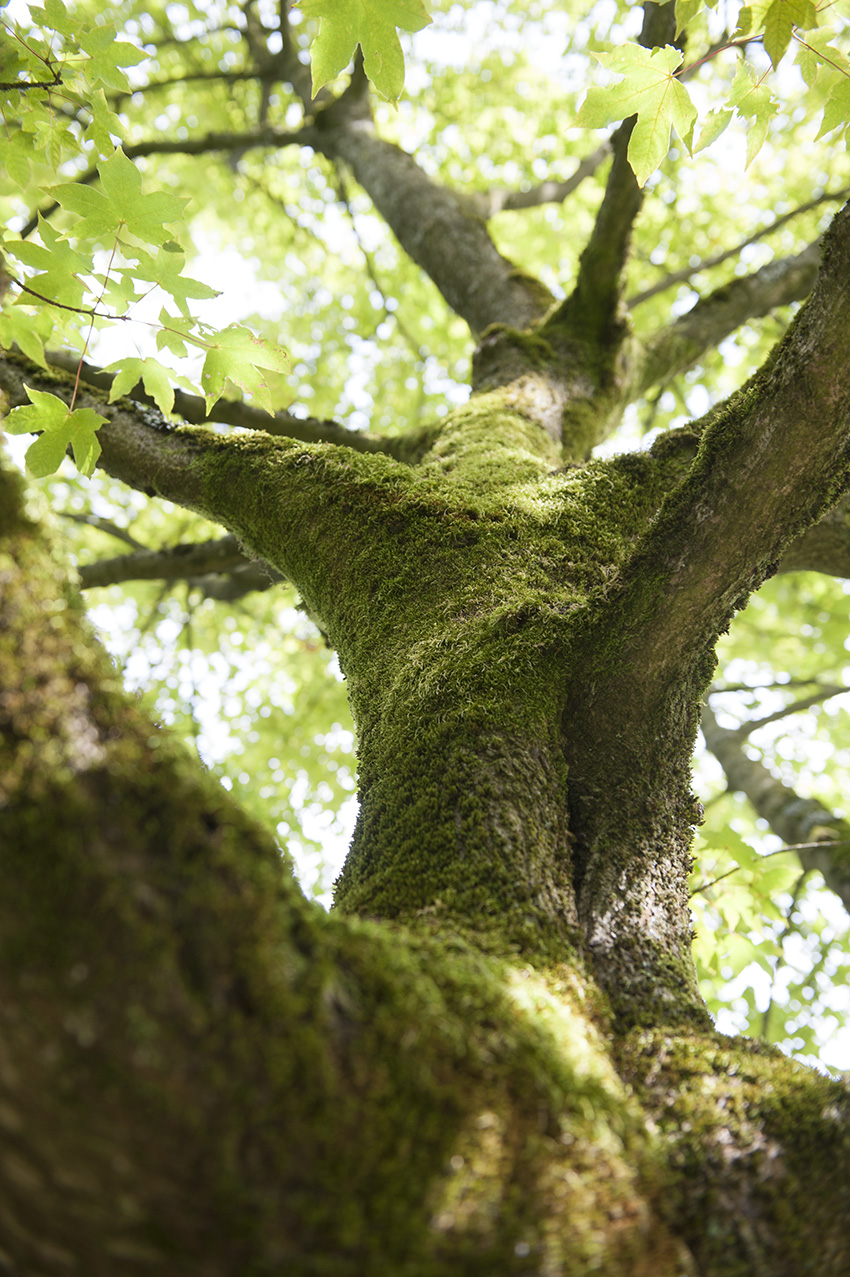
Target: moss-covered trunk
{"type": "Point", "coordinates": [491, 1057]}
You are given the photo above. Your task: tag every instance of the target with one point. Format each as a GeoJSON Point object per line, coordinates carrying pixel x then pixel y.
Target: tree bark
{"type": "Point", "coordinates": [491, 1057]}
{"type": "Point", "coordinates": [202, 1073]}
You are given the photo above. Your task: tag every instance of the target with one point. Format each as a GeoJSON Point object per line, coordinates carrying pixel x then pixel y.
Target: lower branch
{"type": "Point", "coordinates": [794, 819]}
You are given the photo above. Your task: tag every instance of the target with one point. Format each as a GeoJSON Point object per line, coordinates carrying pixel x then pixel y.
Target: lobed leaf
{"type": "Point", "coordinates": [371, 24]}
{"type": "Point", "coordinates": [60, 429]}
{"type": "Point", "coordinates": [650, 91]}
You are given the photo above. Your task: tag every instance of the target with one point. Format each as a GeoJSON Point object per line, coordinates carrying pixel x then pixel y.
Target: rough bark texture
{"type": "Point", "coordinates": [492, 1057]}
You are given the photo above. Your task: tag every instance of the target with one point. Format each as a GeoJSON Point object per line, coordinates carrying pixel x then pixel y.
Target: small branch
{"type": "Point", "coordinates": [268, 136]}
{"type": "Point", "coordinates": [24, 86]}
{"type": "Point", "coordinates": [594, 305]}
{"type": "Point", "coordinates": [190, 77]}
{"type": "Point", "coordinates": [788, 929]}
{"type": "Point", "coordinates": [391, 316]}
{"type": "Point", "coordinates": [252, 578]}
{"type": "Point", "coordinates": [176, 563]}
{"type": "Point", "coordinates": [487, 204]}
{"type": "Point", "coordinates": [768, 855]}
{"type": "Point", "coordinates": [708, 263]}
{"type": "Point", "coordinates": [746, 729]}
{"type": "Point", "coordinates": [103, 525]}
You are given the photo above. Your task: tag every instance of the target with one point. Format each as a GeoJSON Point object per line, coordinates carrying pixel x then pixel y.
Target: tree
{"type": "Point", "coordinates": [492, 1055]}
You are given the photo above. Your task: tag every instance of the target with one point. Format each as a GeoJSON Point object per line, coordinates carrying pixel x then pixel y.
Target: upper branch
{"type": "Point", "coordinates": [177, 563]}
{"type": "Point", "coordinates": [595, 302]}
{"type": "Point", "coordinates": [773, 459]}
{"type": "Point", "coordinates": [824, 547]}
{"type": "Point", "coordinates": [688, 272]}
{"type": "Point", "coordinates": [499, 199]}
{"type": "Point", "coordinates": [266, 136]}
{"type": "Point", "coordinates": [433, 225]}
{"type": "Point", "coordinates": [192, 408]}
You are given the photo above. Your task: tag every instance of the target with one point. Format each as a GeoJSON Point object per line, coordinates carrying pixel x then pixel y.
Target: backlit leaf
{"type": "Point", "coordinates": [371, 24]}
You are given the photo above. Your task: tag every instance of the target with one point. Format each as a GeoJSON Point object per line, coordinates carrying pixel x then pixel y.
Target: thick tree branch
{"type": "Point", "coordinates": [824, 547]}
{"type": "Point", "coordinates": [679, 346]}
{"type": "Point", "coordinates": [792, 818]}
{"type": "Point", "coordinates": [290, 504]}
{"type": "Point", "coordinates": [773, 459]}
{"type": "Point", "coordinates": [432, 224]}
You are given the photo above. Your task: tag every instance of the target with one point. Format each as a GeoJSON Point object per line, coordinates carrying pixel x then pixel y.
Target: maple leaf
{"type": "Point", "coordinates": [343, 24]}
{"type": "Point", "coordinates": [165, 270]}
{"type": "Point", "coordinates": [62, 268]}
{"type": "Point", "coordinates": [154, 377]}
{"type": "Point", "coordinates": [120, 204]}
{"type": "Point", "coordinates": [237, 355]}
{"type": "Point", "coordinates": [756, 104]}
{"type": "Point", "coordinates": [837, 109]}
{"type": "Point", "coordinates": [60, 427]}
{"type": "Point", "coordinates": [107, 55]}
{"type": "Point", "coordinates": [686, 11]}
{"type": "Point", "coordinates": [650, 91]}
{"type": "Point", "coordinates": [776, 20]}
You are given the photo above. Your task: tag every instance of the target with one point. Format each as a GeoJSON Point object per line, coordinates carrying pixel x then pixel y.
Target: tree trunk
{"type": "Point", "coordinates": [511, 1071]}
{"type": "Point", "coordinates": [491, 1057]}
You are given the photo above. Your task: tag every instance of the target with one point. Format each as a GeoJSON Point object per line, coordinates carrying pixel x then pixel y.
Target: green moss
{"type": "Point", "coordinates": [753, 1143]}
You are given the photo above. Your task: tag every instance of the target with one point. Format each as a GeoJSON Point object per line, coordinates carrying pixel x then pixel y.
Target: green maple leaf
{"type": "Point", "coordinates": [120, 204]}
{"type": "Point", "coordinates": [174, 332]}
{"type": "Point", "coordinates": [237, 355]}
{"type": "Point", "coordinates": [55, 17]}
{"type": "Point", "coordinates": [343, 24]}
{"type": "Point", "coordinates": [837, 109]}
{"type": "Point", "coordinates": [18, 327]}
{"type": "Point", "coordinates": [781, 19]}
{"type": "Point", "coordinates": [650, 91]}
{"type": "Point", "coordinates": [776, 20]}
{"type": "Point", "coordinates": [686, 11]}
{"type": "Point", "coordinates": [60, 427]}
{"type": "Point", "coordinates": [715, 123]}
{"type": "Point", "coordinates": [62, 268]}
{"type": "Point", "coordinates": [752, 16]}
{"type": "Point", "coordinates": [756, 104]}
{"type": "Point", "coordinates": [820, 61]}
{"type": "Point", "coordinates": [107, 56]}
{"type": "Point", "coordinates": [154, 377]}
{"type": "Point", "coordinates": [164, 269]}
